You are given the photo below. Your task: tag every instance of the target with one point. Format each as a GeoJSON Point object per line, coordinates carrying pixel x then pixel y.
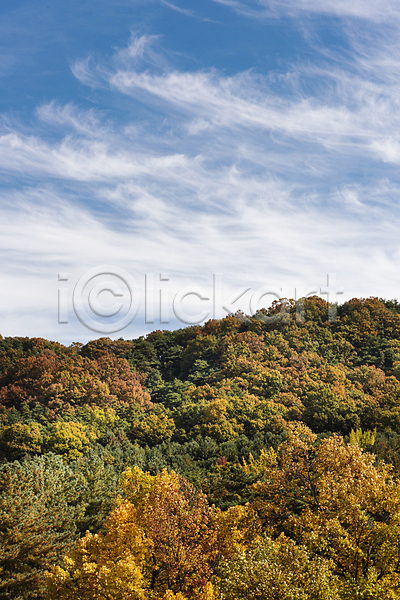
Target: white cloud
{"type": "Point", "coordinates": [269, 180]}
{"type": "Point", "coordinates": [345, 108]}
{"type": "Point", "coordinates": [267, 238]}
{"type": "Point", "coordinates": [87, 160]}
{"type": "Point", "coordinates": [183, 11]}
{"type": "Point", "coordinates": [87, 123]}
{"type": "Point", "coordinates": [388, 149]}
{"type": "Point", "coordinates": [374, 10]}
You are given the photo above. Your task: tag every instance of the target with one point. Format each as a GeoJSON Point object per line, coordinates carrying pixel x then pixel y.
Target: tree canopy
{"type": "Point", "coordinates": [206, 462]}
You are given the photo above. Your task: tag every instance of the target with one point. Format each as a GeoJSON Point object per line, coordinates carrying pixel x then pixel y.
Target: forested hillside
{"type": "Point", "coordinates": [249, 458]}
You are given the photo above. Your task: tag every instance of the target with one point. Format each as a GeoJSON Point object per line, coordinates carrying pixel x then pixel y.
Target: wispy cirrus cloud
{"type": "Point", "coordinates": [318, 104]}
{"type": "Point", "coordinates": [87, 123]}
{"type": "Point", "coordinates": [183, 11]}
{"type": "Point", "coordinates": [79, 160]}
{"type": "Point", "coordinates": [269, 178]}
{"type": "Point", "coordinates": [377, 11]}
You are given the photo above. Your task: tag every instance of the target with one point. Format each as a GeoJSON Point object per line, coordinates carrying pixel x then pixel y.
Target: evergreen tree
{"type": "Point", "coordinates": [39, 506]}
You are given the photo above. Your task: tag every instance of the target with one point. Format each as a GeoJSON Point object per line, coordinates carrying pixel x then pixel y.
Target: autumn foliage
{"type": "Point", "coordinates": [162, 538]}
{"type": "Point", "coordinates": [253, 457]}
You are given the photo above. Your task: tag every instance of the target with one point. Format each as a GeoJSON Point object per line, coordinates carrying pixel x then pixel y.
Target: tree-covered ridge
{"type": "Point", "coordinates": [267, 414]}
{"type": "Point", "coordinates": [237, 377]}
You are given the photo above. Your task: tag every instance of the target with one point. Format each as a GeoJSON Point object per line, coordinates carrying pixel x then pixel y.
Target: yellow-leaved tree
{"type": "Point", "coordinates": [334, 499]}
{"type": "Point", "coordinates": [277, 570]}
{"type": "Point", "coordinates": [105, 566]}
{"type": "Point", "coordinates": [162, 541]}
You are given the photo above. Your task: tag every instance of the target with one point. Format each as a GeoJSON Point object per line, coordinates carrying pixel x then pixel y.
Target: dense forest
{"type": "Point", "coordinates": [255, 457]}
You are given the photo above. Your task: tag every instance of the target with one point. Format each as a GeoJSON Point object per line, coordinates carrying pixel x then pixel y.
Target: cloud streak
{"type": "Point", "coordinates": [183, 11]}
{"type": "Point", "coordinates": [376, 11]}
{"type": "Point", "coordinates": [345, 108]}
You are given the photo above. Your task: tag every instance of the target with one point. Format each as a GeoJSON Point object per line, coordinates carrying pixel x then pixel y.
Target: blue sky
{"type": "Point", "coordinates": [258, 139]}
